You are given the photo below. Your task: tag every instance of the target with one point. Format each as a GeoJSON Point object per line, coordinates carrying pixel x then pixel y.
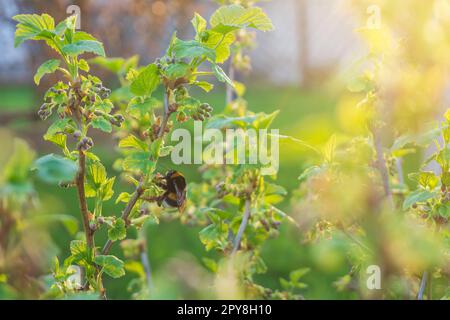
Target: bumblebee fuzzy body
{"type": "Point", "coordinates": [176, 190]}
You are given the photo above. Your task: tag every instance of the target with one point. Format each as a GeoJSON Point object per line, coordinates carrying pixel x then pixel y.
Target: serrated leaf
{"type": "Point", "coordinates": [199, 23]}
{"type": "Point", "coordinates": [102, 124]}
{"type": "Point", "coordinates": [83, 65]}
{"type": "Point", "coordinates": [146, 81]}
{"type": "Point", "coordinates": [206, 86]}
{"type": "Point", "coordinates": [111, 265]}
{"type": "Point", "coordinates": [33, 27]}
{"type": "Point", "coordinates": [178, 70]}
{"type": "Point", "coordinates": [47, 67]}
{"type": "Point", "coordinates": [96, 174]}
{"type": "Point", "coordinates": [137, 161]}
{"type": "Point", "coordinates": [123, 197]}
{"type": "Point", "coordinates": [54, 169]}
{"type": "Point", "coordinates": [106, 190]}
{"type": "Point", "coordinates": [192, 49]}
{"type": "Point", "coordinates": [221, 44]}
{"type": "Point", "coordinates": [84, 46]}
{"type": "Point", "coordinates": [426, 179]}
{"type": "Point", "coordinates": [133, 142]}
{"type": "Point", "coordinates": [417, 196]}
{"type": "Point", "coordinates": [233, 17]}
{"type": "Point", "coordinates": [139, 106]}
{"type": "Point", "coordinates": [78, 250]}
{"type": "Point", "coordinates": [118, 230]}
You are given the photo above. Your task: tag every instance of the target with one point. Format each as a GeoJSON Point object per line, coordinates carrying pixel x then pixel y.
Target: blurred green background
{"type": "Point", "coordinates": [299, 109]}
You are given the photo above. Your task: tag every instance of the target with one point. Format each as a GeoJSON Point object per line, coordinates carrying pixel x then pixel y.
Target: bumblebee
{"type": "Point", "coordinates": [175, 191]}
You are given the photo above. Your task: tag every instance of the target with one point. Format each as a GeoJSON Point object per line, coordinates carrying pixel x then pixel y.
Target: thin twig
{"type": "Point", "coordinates": [145, 260]}
{"type": "Point", "coordinates": [126, 213]}
{"type": "Point", "coordinates": [399, 165]}
{"type": "Point", "coordinates": [242, 227]}
{"type": "Point", "coordinates": [165, 116]}
{"type": "Point", "coordinates": [82, 199]}
{"type": "Point", "coordinates": [230, 90]}
{"type": "Point", "coordinates": [381, 165]}
{"type": "Point", "coordinates": [423, 285]}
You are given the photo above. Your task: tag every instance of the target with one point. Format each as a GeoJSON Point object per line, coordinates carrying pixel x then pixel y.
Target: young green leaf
{"type": "Point", "coordinates": [146, 82]}
{"type": "Point", "coordinates": [118, 230]}
{"type": "Point", "coordinates": [192, 49]}
{"type": "Point", "coordinates": [111, 265]}
{"type": "Point", "coordinates": [233, 17]}
{"type": "Point", "coordinates": [54, 169]}
{"type": "Point", "coordinates": [47, 67]}
{"type": "Point", "coordinates": [102, 124]}
{"type": "Point", "coordinates": [84, 46]}
{"type": "Point", "coordinates": [33, 27]}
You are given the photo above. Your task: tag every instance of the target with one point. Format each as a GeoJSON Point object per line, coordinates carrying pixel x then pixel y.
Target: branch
{"type": "Point", "coordinates": [242, 227]}
{"type": "Point", "coordinates": [230, 90]}
{"type": "Point", "coordinates": [145, 260]}
{"type": "Point", "coordinates": [82, 199]}
{"type": "Point", "coordinates": [165, 116]}
{"type": "Point", "coordinates": [126, 213]}
{"type": "Point", "coordinates": [423, 285]}
{"type": "Point", "coordinates": [381, 165]}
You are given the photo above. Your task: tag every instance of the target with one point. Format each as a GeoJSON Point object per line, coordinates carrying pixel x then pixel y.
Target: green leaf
{"type": "Point", "coordinates": [274, 193]}
{"type": "Point", "coordinates": [123, 197]}
{"type": "Point", "coordinates": [83, 36]}
{"type": "Point", "coordinates": [84, 46]}
{"type": "Point", "coordinates": [221, 44]}
{"type": "Point", "coordinates": [47, 67]}
{"type": "Point", "coordinates": [78, 250]}
{"type": "Point", "coordinates": [298, 274]}
{"type": "Point", "coordinates": [111, 265]}
{"type": "Point", "coordinates": [17, 169]}
{"type": "Point", "coordinates": [118, 230]}
{"type": "Point", "coordinates": [137, 161]}
{"type": "Point", "coordinates": [257, 121]}
{"type": "Point", "coordinates": [54, 169]}
{"type": "Point", "coordinates": [426, 179]}
{"type": "Point", "coordinates": [155, 148]}
{"type": "Point", "coordinates": [192, 49]}
{"type": "Point", "coordinates": [206, 86]}
{"type": "Point", "coordinates": [106, 190]}
{"type": "Point", "coordinates": [67, 24]}
{"type": "Point", "coordinates": [133, 142]}
{"type": "Point", "coordinates": [146, 82]}
{"type": "Point", "coordinates": [139, 106]}
{"type": "Point", "coordinates": [210, 264]}
{"type": "Point", "coordinates": [56, 133]}
{"type": "Point", "coordinates": [96, 174]}
{"type": "Point", "coordinates": [83, 65]}
{"type": "Point", "coordinates": [33, 27]}
{"type": "Point", "coordinates": [233, 17]}
{"type": "Point", "coordinates": [178, 70]}
{"type": "Point", "coordinates": [417, 196]}
{"type": "Point", "coordinates": [199, 23]}
{"type": "Point", "coordinates": [102, 124]}
{"type": "Point", "coordinates": [221, 75]}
